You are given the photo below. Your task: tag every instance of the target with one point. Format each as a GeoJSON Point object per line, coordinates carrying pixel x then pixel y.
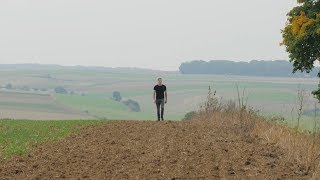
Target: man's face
{"type": "Point", "coordinates": [159, 81]}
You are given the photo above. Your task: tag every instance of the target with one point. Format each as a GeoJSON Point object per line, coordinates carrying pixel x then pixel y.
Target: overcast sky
{"type": "Point", "coordinates": [158, 34]}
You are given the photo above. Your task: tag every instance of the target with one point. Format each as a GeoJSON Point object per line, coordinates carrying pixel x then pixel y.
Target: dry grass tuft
{"type": "Point", "coordinates": [302, 147]}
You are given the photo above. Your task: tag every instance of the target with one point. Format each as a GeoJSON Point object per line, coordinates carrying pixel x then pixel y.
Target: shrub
{"type": "Point", "coordinates": [9, 86]}
{"type": "Point", "coordinates": [133, 105]}
{"type": "Point", "coordinates": [25, 88]}
{"type": "Point", "coordinates": [60, 90]}
{"type": "Point", "coordinates": [190, 115]}
{"type": "Point", "coordinates": [116, 96]}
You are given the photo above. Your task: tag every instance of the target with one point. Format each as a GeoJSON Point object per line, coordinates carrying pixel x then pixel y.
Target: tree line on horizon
{"type": "Point", "coordinates": [278, 68]}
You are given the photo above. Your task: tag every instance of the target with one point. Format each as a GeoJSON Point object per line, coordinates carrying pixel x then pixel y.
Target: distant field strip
{"type": "Point", "coordinates": [31, 105]}
{"type": "Point", "coordinates": [92, 89]}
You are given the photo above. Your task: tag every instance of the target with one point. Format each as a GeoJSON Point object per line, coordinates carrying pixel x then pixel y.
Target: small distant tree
{"type": "Point", "coordinates": [116, 96]}
{"type": "Point", "coordinates": [25, 88]}
{"type": "Point", "coordinates": [8, 86]}
{"type": "Point", "coordinates": [133, 105]}
{"type": "Point", "coordinates": [60, 90]}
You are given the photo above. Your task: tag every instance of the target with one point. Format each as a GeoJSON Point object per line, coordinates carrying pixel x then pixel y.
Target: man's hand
{"type": "Point", "coordinates": [154, 101]}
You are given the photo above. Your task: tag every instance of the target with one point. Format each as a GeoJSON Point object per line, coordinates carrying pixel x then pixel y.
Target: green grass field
{"type": "Point", "coordinates": [93, 91]}
{"type": "Point", "coordinates": [17, 137]}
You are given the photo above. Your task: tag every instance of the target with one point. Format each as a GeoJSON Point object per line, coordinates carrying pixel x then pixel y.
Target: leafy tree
{"type": "Point", "coordinates": [25, 88]}
{"type": "Point", "coordinates": [301, 36]}
{"type": "Point", "coordinates": [116, 96]}
{"type": "Point", "coordinates": [133, 105]}
{"type": "Point", "coordinates": [9, 86]}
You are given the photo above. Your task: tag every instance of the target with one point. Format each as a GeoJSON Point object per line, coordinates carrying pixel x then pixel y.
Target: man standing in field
{"type": "Point", "coordinates": [160, 98]}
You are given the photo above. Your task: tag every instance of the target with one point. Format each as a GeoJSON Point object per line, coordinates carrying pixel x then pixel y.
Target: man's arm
{"type": "Point", "coordinates": [154, 96]}
{"type": "Point", "coordinates": [166, 96]}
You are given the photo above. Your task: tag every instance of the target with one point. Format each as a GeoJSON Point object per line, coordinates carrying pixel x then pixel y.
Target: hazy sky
{"type": "Point", "coordinates": [158, 34]}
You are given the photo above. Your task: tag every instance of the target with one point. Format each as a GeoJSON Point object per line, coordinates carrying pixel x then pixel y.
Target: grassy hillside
{"type": "Point", "coordinates": [100, 107]}
{"type": "Point", "coordinates": [32, 94]}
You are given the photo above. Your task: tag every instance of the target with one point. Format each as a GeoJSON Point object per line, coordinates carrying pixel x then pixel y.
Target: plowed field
{"type": "Point", "coordinates": [155, 150]}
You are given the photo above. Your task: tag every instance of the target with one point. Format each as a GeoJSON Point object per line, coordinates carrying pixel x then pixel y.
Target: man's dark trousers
{"type": "Point", "coordinates": [160, 105]}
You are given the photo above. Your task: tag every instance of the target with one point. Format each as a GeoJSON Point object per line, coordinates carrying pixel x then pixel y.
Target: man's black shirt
{"type": "Point", "coordinates": [160, 91]}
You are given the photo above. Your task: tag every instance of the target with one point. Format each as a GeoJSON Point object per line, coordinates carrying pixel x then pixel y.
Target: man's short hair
{"type": "Point", "coordinates": [159, 79]}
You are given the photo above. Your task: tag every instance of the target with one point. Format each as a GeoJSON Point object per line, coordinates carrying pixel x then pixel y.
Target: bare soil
{"type": "Point", "coordinates": [155, 150]}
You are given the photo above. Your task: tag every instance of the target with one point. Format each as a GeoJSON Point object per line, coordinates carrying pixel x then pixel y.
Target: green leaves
{"type": "Point", "coordinates": [301, 36]}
